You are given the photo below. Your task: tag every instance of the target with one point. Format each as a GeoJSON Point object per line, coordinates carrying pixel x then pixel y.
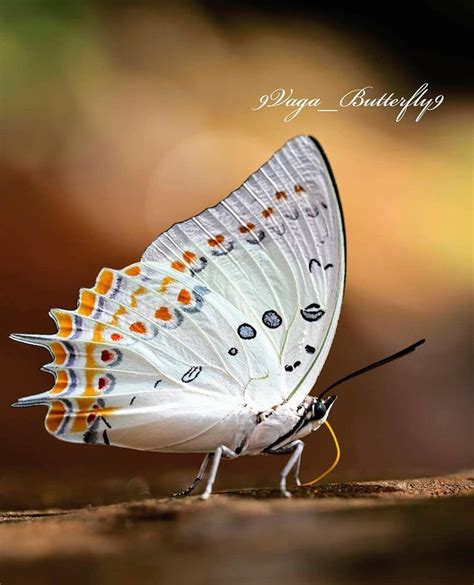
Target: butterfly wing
{"type": "Point", "coordinates": [234, 308]}
{"type": "Point", "coordinates": [275, 249]}
{"type": "Point", "coordinates": [141, 363]}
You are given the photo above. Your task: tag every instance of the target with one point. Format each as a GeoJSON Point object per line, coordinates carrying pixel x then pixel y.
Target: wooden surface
{"type": "Point", "coordinates": [385, 532]}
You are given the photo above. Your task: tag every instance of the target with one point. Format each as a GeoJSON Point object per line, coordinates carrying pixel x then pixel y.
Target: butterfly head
{"type": "Point", "coordinates": [321, 407]}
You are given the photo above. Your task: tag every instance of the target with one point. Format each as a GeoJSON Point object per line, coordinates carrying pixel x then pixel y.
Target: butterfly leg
{"type": "Point", "coordinates": [297, 469]}
{"type": "Point", "coordinates": [197, 479]}
{"type": "Point", "coordinates": [296, 449]}
{"type": "Point", "coordinates": [222, 450]}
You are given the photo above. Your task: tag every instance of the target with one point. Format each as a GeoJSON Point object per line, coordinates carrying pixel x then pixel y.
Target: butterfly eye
{"type": "Point", "coordinates": [319, 409]}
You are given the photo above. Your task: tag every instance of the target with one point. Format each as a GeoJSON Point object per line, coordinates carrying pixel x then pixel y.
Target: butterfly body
{"type": "Point", "coordinates": [280, 426]}
{"type": "Point", "coordinates": [213, 340]}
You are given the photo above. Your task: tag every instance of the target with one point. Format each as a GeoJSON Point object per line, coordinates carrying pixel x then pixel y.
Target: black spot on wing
{"type": "Point", "coordinates": [90, 437]}
{"type": "Point", "coordinates": [318, 263]}
{"type": "Point", "coordinates": [246, 331]}
{"type": "Point", "coordinates": [104, 420]}
{"type": "Point", "coordinates": [313, 261]}
{"type": "Point", "coordinates": [312, 211]}
{"type": "Point", "coordinates": [289, 368]}
{"type": "Point", "coordinates": [312, 312]}
{"type": "Point", "coordinates": [256, 238]}
{"type": "Point", "coordinates": [233, 351]}
{"type": "Point", "coordinates": [293, 215]}
{"type": "Point", "coordinates": [191, 374]}
{"type": "Point", "coordinates": [202, 264]}
{"type": "Point", "coordinates": [271, 319]}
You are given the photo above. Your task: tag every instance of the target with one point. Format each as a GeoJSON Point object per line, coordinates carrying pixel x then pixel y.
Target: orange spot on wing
{"type": "Point", "coordinates": [65, 324]}
{"type": "Point", "coordinates": [189, 256]}
{"type": "Point", "coordinates": [216, 240]}
{"type": "Point", "coordinates": [104, 281]}
{"type": "Point", "coordinates": [59, 353]}
{"type": "Point", "coordinates": [91, 365]}
{"type": "Point", "coordinates": [281, 195]}
{"type": "Point", "coordinates": [133, 299]}
{"type": "Point", "coordinates": [106, 411]}
{"type": "Point", "coordinates": [299, 189]}
{"type": "Point", "coordinates": [84, 405]}
{"type": "Point", "coordinates": [245, 229]}
{"type": "Point", "coordinates": [116, 337]}
{"type": "Point", "coordinates": [55, 415]}
{"type": "Point", "coordinates": [163, 314]}
{"type": "Point", "coordinates": [61, 382]}
{"type": "Point", "coordinates": [98, 330]}
{"type": "Point", "coordinates": [133, 270]}
{"type": "Point", "coordinates": [138, 327]}
{"type": "Point", "coordinates": [86, 302]}
{"type": "Point", "coordinates": [184, 296]}
{"type": "Point", "coordinates": [167, 280]}
{"type": "Point", "coordinates": [267, 212]}
{"type": "Point", "coordinates": [120, 311]}
{"type": "Point", "coordinates": [177, 265]}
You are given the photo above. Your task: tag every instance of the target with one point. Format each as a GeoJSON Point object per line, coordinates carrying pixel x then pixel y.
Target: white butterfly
{"type": "Point", "coordinates": [212, 342]}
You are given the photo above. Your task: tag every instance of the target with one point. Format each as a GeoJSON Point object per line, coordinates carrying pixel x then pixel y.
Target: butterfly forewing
{"type": "Point", "coordinates": [274, 249]}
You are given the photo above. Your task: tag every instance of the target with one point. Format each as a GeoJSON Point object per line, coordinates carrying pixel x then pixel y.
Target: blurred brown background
{"type": "Point", "coordinates": [119, 118]}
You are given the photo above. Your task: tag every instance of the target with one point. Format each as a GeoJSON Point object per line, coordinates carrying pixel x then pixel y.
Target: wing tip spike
{"type": "Point", "coordinates": [50, 368]}
{"type": "Point", "coordinates": [21, 337]}
{"type": "Point", "coordinates": [29, 401]}
{"type": "Point", "coordinates": [31, 338]}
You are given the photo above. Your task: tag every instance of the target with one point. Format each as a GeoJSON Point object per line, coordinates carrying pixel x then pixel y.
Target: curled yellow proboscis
{"type": "Point", "coordinates": [336, 461]}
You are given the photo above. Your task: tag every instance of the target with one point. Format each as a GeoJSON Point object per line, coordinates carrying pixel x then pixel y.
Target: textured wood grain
{"type": "Point", "coordinates": [397, 531]}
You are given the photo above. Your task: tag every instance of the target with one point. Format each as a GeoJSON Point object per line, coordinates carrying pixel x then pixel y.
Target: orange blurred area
{"type": "Point", "coordinates": [117, 123]}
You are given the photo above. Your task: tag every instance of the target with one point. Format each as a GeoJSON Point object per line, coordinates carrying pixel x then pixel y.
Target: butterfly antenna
{"type": "Point", "coordinates": [336, 461]}
{"type": "Point", "coordinates": [382, 362]}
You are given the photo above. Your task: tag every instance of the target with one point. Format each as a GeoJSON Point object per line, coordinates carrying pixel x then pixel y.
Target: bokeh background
{"type": "Point", "coordinates": [119, 118]}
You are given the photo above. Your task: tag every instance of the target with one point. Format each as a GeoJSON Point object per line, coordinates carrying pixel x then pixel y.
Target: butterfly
{"type": "Point", "coordinates": [212, 342]}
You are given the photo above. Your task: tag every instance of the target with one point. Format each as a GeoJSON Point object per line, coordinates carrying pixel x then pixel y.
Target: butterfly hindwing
{"type": "Point", "coordinates": [143, 350]}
